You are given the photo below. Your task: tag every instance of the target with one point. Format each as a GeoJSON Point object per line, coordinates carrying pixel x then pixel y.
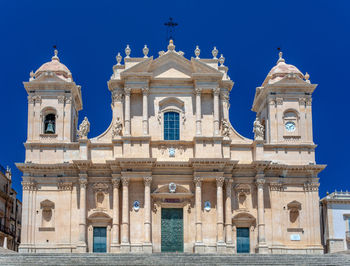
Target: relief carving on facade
{"type": "Point", "coordinates": [117, 129]}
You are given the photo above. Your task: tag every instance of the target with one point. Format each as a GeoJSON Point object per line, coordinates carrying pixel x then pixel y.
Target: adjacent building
{"type": "Point", "coordinates": [335, 221]}
{"type": "Point", "coordinates": [10, 212]}
{"type": "Point", "coordinates": [170, 173]}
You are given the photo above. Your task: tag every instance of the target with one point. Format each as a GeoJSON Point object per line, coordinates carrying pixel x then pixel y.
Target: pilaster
{"type": "Point", "coordinates": [199, 245]}
{"type": "Point", "coordinates": [82, 247]}
{"type": "Point", "coordinates": [115, 247]}
{"type": "Point", "coordinates": [125, 242]}
{"type": "Point", "coordinates": [147, 245]}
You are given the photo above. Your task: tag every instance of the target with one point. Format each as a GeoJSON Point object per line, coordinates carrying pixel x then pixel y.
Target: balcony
{"type": "Point", "coordinates": [347, 234]}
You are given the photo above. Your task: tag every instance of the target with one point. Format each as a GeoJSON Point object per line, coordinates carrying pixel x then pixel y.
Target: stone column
{"type": "Point", "coordinates": [262, 246]}
{"type": "Point", "coordinates": [216, 93]}
{"type": "Point", "coordinates": [147, 245]}
{"type": "Point", "coordinates": [145, 92]}
{"type": "Point", "coordinates": [125, 245]}
{"type": "Point", "coordinates": [82, 214]}
{"type": "Point", "coordinates": [198, 112]}
{"type": "Point", "coordinates": [127, 121]}
{"type": "Point", "coordinates": [115, 225]}
{"type": "Point", "coordinates": [228, 215]}
{"type": "Point", "coordinates": [199, 245]}
{"type": "Point", "coordinates": [221, 247]}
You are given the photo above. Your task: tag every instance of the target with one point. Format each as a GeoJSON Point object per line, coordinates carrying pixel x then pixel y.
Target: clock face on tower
{"type": "Point", "coordinates": [290, 126]}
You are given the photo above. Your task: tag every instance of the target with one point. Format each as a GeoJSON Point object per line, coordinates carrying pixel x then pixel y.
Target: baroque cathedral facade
{"type": "Point", "coordinates": [170, 173]}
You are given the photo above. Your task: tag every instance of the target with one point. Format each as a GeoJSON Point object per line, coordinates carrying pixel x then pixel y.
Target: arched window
{"type": "Point", "coordinates": [171, 126]}
{"type": "Point", "coordinates": [50, 124]}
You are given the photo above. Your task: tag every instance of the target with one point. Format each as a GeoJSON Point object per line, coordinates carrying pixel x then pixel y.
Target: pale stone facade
{"type": "Point", "coordinates": [335, 221]}
{"type": "Point", "coordinates": [235, 194]}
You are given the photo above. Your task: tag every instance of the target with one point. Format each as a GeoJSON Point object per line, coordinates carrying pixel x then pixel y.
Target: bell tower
{"type": "Point", "coordinates": [53, 103]}
{"type": "Point", "coordinates": [283, 106]}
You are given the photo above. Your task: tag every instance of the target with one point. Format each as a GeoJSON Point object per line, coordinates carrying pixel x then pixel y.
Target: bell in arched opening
{"type": "Point", "coordinates": [50, 120]}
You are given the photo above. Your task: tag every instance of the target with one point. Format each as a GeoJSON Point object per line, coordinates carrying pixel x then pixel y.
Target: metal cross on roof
{"type": "Point", "coordinates": [170, 28]}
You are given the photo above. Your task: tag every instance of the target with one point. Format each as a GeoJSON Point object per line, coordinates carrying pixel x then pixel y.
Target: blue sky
{"type": "Point", "coordinates": [314, 36]}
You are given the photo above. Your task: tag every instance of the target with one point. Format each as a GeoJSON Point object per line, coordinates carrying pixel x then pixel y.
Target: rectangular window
{"type": "Point", "coordinates": [171, 126]}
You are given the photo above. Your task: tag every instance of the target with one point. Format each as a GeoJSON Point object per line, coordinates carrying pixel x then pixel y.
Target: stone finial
{"type": "Point", "coordinates": [215, 53]}
{"type": "Point", "coordinates": [171, 46]}
{"type": "Point", "coordinates": [119, 59]}
{"type": "Point", "coordinates": [222, 60]}
{"type": "Point", "coordinates": [127, 51]}
{"type": "Point", "coordinates": [145, 51]}
{"type": "Point", "coordinates": [280, 59]}
{"type": "Point", "coordinates": [197, 52]}
{"type": "Point", "coordinates": [307, 77]}
{"type": "Point", "coordinates": [31, 74]}
{"type": "Point", "coordinates": [55, 57]}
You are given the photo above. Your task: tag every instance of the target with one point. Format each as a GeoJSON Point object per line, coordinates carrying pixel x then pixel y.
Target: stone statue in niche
{"type": "Point", "coordinates": [117, 127]}
{"type": "Point", "coordinates": [101, 192]}
{"type": "Point", "coordinates": [242, 198]}
{"type": "Point", "coordinates": [258, 130]}
{"type": "Point", "coordinates": [225, 128]}
{"type": "Point", "coordinates": [293, 217]}
{"type": "Point", "coordinates": [84, 128]}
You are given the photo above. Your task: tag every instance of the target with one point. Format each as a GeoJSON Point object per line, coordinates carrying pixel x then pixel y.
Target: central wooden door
{"type": "Point", "coordinates": [172, 230]}
{"type": "Point", "coordinates": [243, 243]}
{"type": "Point", "coordinates": [100, 240]}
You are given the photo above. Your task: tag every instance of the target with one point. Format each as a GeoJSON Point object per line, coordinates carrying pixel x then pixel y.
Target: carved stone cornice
{"type": "Point", "coordinates": [308, 186]}
{"type": "Point", "coordinates": [147, 180]}
{"type": "Point", "coordinates": [125, 181]}
{"type": "Point", "coordinates": [29, 185]}
{"type": "Point", "coordinates": [220, 181]}
{"type": "Point", "coordinates": [276, 186]}
{"type": "Point", "coordinates": [65, 186]}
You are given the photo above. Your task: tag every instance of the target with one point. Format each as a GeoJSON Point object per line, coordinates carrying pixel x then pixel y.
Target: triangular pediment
{"type": "Point", "coordinates": [172, 73]}
{"type": "Point", "coordinates": [171, 65]}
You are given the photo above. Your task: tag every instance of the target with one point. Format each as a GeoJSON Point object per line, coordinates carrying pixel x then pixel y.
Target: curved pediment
{"type": "Point", "coordinates": [165, 189]}
{"type": "Point", "coordinates": [99, 215]}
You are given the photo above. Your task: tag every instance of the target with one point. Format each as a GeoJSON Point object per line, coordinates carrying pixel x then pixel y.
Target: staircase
{"type": "Point", "coordinates": [171, 259]}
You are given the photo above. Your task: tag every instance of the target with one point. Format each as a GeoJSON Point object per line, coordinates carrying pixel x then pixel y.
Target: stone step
{"type": "Point", "coordinates": [171, 259]}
